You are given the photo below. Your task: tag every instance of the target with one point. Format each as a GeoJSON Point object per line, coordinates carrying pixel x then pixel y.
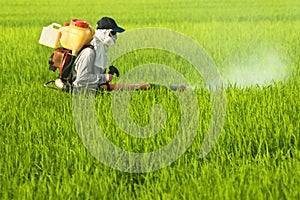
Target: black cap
{"type": "Point", "coordinates": [109, 23]}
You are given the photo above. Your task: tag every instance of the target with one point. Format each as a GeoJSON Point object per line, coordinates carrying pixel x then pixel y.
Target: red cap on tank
{"type": "Point", "coordinates": [80, 23]}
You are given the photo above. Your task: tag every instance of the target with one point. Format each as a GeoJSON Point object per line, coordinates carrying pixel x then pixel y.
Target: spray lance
{"type": "Point", "coordinates": [134, 86]}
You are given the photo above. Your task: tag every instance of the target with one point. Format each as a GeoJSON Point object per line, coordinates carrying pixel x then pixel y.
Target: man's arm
{"type": "Point", "coordinates": [85, 70]}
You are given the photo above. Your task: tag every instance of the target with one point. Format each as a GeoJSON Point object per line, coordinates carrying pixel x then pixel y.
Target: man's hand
{"type": "Point", "coordinates": [108, 77]}
{"type": "Point", "coordinates": [113, 70]}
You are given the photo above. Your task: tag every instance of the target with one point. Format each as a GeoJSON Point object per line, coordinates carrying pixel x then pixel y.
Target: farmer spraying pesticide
{"type": "Point", "coordinates": [81, 55]}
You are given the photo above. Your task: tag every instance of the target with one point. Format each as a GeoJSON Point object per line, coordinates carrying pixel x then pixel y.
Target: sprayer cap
{"type": "Point", "coordinates": [80, 23]}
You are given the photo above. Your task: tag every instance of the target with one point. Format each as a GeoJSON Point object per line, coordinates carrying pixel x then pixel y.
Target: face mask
{"type": "Point", "coordinates": [110, 40]}
{"type": "Point", "coordinates": [105, 37]}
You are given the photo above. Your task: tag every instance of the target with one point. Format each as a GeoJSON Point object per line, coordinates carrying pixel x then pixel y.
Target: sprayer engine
{"type": "Point", "coordinates": [61, 58]}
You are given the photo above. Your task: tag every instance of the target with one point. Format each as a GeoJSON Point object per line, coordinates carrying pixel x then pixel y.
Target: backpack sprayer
{"type": "Point", "coordinates": [68, 41]}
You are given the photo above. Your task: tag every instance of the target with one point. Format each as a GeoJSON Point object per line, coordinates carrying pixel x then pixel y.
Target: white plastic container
{"type": "Point", "coordinates": [51, 35]}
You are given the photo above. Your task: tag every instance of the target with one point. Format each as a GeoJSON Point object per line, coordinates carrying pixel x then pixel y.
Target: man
{"type": "Point", "coordinates": [91, 63]}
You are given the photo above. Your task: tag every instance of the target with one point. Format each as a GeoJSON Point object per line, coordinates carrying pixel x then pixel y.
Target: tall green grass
{"type": "Point", "coordinates": [256, 157]}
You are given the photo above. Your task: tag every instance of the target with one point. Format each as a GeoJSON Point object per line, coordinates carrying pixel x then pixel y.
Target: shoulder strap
{"type": "Point", "coordinates": [86, 46]}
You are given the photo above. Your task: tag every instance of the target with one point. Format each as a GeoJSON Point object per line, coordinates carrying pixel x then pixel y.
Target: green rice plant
{"type": "Point", "coordinates": [256, 156]}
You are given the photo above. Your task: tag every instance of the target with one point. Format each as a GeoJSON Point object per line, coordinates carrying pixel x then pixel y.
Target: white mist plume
{"type": "Point", "coordinates": [261, 67]}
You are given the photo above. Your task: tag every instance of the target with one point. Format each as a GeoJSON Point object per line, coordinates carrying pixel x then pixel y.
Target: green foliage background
{"type": "Point", "coordinates": [256, 157]}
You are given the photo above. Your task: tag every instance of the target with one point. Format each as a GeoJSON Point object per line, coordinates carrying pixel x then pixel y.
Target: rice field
{"type": "Point", "coordinates": [256, 48]}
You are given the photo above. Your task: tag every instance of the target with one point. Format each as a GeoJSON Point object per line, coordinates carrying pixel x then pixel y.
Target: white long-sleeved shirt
{"type": "Point", "coordinates": [87, 74]}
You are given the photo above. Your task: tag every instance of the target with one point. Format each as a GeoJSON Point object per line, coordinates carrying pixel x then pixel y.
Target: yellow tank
{"type": "Point", "coordinates": [75, 35]}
